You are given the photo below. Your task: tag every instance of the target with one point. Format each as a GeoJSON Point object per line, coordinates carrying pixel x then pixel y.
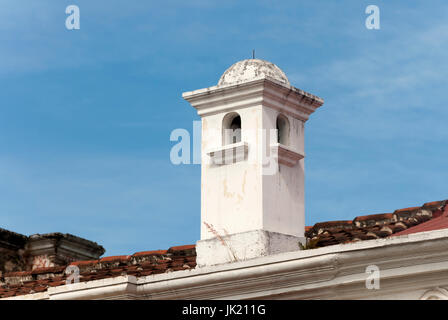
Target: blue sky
{"type": "Point", "coordinates": [86, 115]}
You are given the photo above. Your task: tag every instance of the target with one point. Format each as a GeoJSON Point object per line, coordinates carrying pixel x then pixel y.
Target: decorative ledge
{"type": "Point", "coordinates": [285, 155]}
{"type": "Point", "coordinates": [230, 153]}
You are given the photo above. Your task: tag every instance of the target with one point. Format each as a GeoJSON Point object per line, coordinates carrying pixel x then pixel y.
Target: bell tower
{"type": "Point", "coordinates": [252, 169]}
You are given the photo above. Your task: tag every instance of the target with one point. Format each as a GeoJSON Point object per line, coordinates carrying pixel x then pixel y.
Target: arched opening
{"type": "Point", "coordinates": [231, 128]}
{"type": "Point", "coordinates": [282, 130]}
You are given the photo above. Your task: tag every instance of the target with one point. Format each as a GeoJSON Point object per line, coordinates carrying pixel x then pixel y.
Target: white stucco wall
{"type": "Point", "coordinates": [231, 194]}
{"type": "Point", "coordinates": [283, 192]}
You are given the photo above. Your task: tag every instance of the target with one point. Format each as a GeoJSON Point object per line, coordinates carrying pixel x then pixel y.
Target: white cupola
{"type": "Point", "coordinates": [252, 188]}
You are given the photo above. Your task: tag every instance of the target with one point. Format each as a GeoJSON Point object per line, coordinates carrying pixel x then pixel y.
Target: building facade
{"type": "Point", "coordinates": [254, 243]}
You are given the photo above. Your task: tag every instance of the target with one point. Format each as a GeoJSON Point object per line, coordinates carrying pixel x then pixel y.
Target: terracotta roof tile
{"type": "Point", "coordinates": [402, 221]}
{"type": "Point", "coordinates": [56, 283]}
{"type": "Point", "coordinates": [150, 253]}
{"type": "Point", "coordinates": [380, 216]}
{"type": "Point", "coordinates": [143, 263]}
{"type": "Point", "coordinates": [18, 274]}
{"type": "Point", "coordinates": [436, 223]}
{"type": "Point", "coordinates": [115, 258]}
{"type": "Point", "coordinates": [435, 204]}
{"type": "Point", "coordinates": [328, 224]}
{"type": "Point", "coordinates": [406, 209]}
{"type": "Point", "coordinates": [182, 248]}
{"type": "Point", "coordinates": [84, 263]}
{"type": "Point", "coordinates": [47, 270]}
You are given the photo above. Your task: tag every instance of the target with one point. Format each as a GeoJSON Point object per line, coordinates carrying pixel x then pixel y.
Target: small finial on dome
{"type": "Point", "coordinates": [253, 53]}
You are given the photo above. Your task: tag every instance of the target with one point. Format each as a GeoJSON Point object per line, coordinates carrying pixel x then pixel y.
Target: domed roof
{"type": "Point", "coordinates": [249, 69]}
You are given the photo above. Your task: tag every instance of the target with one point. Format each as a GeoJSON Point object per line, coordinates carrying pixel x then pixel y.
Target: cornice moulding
{"type": "Point", "coordinates": [263, 91]}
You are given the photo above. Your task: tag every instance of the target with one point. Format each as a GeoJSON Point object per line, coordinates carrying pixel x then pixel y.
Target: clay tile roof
{"type": "Point", "coordinates": [18, 274]}
{"type": "Point", "coordinates": [47, 270]}
{"type": "Point", "coordinates": [434, 204]}
{"type": "Point", "coordinates": [430, 216]}
{"type": "Point", "coordinates": [182, 248]}
{"type": "Point", "coordinates": [333, 224]}
{"type": "Point", "coordinates": [436, 223]}
{"type": "Point", "coordinates": [114, 258]}
{"type": "Point", "coordinates": [139, 264]}
{"type": "Point", "coordinates": [380, 216]}
{"type": "Point", "coordinates": [406, 209]}
{"type": "Point", "coordinates": [84, 262]}
{"type": "Point", "coordinates": [150, 253]}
